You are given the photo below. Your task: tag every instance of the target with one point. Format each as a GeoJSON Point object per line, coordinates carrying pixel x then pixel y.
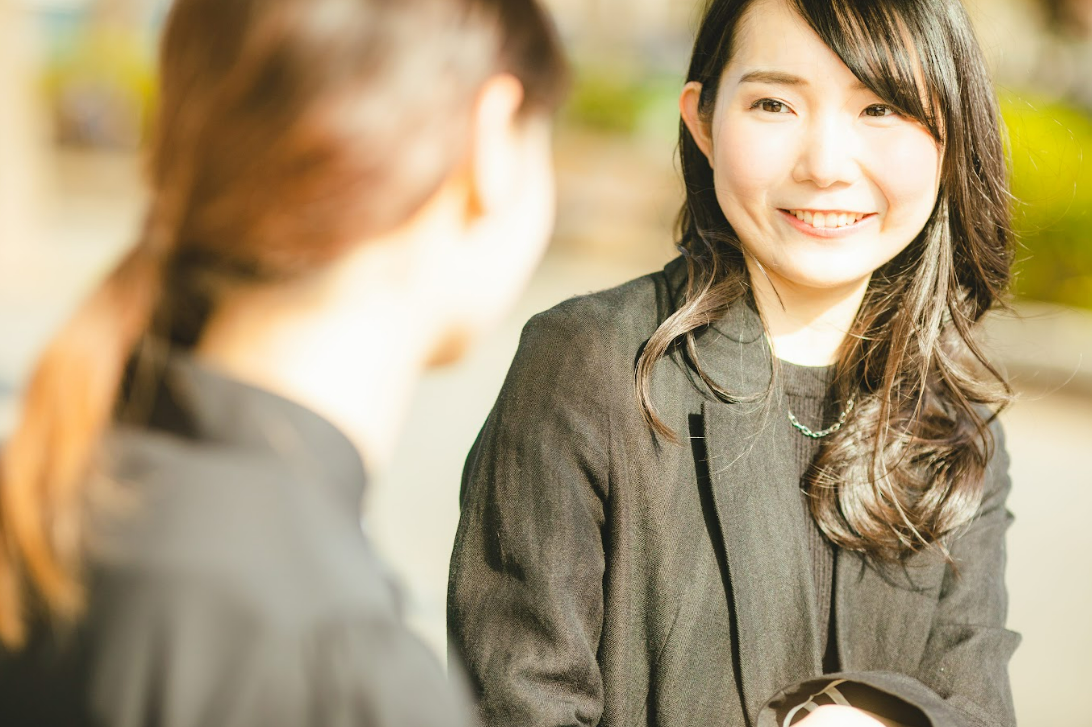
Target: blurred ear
{"type": "Point", "coordinates": [689, 100]}
{"type": "Point", "coordinates": [494, 162]}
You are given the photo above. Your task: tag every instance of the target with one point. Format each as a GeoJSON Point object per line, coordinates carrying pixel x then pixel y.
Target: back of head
{"type": "Point", "coordinates": [288, 131]}
{"type": "Point", "coordinates": [291, 128]}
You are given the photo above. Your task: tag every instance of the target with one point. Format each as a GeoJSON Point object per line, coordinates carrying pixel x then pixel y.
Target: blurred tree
{"type": "Point", "coordinates": [100, 72]}
{"type": "Point", "coordinates": [1070, 16]}
{"type": "Point", "coordinates": [1051, 145]}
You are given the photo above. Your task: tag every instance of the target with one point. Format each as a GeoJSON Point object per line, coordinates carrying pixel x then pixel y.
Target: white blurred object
{"type": "Point", "coordinates": [21, 152]}
{"type": "Point", "coordinates": [58, 4]}
{"type": "Point", "coordinates": [23, 136]}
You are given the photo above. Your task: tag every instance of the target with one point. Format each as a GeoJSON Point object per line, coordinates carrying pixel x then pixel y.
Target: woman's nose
{"type": "Point", "coordinates": [827, 154]}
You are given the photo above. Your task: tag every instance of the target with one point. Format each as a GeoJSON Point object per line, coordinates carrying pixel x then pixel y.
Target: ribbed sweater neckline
{"type": "Point", "coordinates": [807, 382]}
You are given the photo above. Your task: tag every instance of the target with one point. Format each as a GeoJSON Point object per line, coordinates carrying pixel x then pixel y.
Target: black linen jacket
{"type": "Point", "coordinates": [600, 577]}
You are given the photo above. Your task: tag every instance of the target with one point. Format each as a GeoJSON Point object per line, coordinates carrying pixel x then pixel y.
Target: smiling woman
{"type": "Point", "coordinates": [800, 148]}
{"type": "Point", "coordinates": [766, 486]}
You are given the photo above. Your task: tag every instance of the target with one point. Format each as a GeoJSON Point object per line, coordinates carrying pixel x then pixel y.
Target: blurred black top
{"type": "Point", "coordinates": [229, 582]}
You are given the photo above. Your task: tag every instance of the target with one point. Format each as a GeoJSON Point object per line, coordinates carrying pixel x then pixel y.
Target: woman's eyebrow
{"type": "Point", "coordinates": [781, 78]}
{"type": "Point", "coordinates": [777, 77]}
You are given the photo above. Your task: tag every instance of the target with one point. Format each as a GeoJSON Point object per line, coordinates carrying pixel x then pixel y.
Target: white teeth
{"type": "Point", "coordinates": [827, 220]}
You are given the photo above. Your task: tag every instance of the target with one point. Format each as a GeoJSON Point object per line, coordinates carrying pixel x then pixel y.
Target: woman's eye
{"type": "Point", "coordinates": [880, 111]}
{"type": "Point", "coordinates": [770, 106]}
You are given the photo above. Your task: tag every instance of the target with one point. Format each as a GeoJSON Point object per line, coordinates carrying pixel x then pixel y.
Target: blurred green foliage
{"type": "Point", "coordinates": [623, 102]}
{"type": "Point", "coordinates": [1052, 182]}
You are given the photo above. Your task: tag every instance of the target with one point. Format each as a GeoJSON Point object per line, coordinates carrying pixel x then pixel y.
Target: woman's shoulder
{"type": "Point", "coordinates": [267, 650]}
{"type": "Point", "coordinates": [619, 319]}
{"type": "Point", "coordinates": [233, 528]}
{"type": "Point", "coordinates": [581, 354]}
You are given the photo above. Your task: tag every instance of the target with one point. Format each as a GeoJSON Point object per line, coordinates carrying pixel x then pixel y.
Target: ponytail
{"type": "Point", "coordinates": [45, 466]}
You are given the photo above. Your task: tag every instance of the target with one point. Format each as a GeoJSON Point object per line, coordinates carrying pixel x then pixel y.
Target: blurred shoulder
{"type": "Point", "coordinates": [234, 528]}
{"type": "Point", "coordinates": [173, 642]}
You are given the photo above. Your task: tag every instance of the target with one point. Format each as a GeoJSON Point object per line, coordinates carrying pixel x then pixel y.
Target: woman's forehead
{"type": "Point", "coordinates": [773, 39]}
{"type": "Point", "coordinates": [772, 35]}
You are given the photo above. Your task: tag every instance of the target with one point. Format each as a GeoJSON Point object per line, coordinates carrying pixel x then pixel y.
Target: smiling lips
{"type": "Point", "coordinates": [828, 220]}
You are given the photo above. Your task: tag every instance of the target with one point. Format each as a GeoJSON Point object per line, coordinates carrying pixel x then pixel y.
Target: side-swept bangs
{"type": "Point", "coordinates": [899, 50]}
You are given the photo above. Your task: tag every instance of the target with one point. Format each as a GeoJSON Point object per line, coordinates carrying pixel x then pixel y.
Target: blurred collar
{"type": "Point", "coordinates": [197, 402]}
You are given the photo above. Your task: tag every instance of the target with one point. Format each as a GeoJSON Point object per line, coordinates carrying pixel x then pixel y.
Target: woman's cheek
{"type": "Point", "coordinates": [750, 159]}
{"type": "Point", "coordinates": [908, 169]}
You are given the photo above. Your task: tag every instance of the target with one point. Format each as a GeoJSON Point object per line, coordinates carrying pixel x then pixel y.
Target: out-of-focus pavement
{"type": "Point", "coordinates": [412, 509]}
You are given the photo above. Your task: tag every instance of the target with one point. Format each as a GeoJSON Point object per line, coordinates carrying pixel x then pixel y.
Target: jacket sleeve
{"type": "Point", "coordinates": [962, 679]}
{"type": "Point", "coordinates": [525, 599]}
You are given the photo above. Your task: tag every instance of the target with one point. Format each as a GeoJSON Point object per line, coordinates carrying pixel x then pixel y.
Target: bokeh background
{"type": "Point", "coordinates": [77, 80]}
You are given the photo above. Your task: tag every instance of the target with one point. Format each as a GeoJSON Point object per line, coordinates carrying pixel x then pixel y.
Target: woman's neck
{"type": "Point", "coordinates": [353, 357]}
{"type": "Point", "coordinates": [806, 326]}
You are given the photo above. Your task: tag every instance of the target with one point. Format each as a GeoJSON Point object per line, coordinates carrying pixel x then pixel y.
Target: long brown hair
{"type": "Point", "coordinates": [288, 130]}
{"type": "Point", "coordinates": [907, 469]}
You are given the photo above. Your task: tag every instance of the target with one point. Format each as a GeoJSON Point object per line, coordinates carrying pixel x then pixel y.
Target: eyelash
{"type": "Point", "coordinates": [890, 110]}
{"type": "Point", "coordinates": [764, 101]}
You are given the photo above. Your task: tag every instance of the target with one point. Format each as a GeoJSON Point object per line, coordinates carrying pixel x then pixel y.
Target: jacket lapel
{"type": "Point", "coordinates": [759, 509]}
{"type": "Point", "coordinates": [882, 618]}
{"type": "Point", "coordinates": [761, 516]}
{"type": "Point", "coordinates": [769, 567]}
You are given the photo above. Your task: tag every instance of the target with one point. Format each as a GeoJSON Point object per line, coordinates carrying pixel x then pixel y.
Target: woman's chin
{"type": "Point", "coordinates": [822, 280]}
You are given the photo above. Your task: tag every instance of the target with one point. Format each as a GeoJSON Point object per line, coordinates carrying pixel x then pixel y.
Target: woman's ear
{"type": "Point", "coordinates": [493, 163]}
{"type": "Point", "coordinates": [689, 101]}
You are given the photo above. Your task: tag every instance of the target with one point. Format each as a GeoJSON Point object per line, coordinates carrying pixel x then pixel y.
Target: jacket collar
{"type": "Point", "coordinates": [194, 401]}
{"type": "Point", "coordinates": [733, 349]}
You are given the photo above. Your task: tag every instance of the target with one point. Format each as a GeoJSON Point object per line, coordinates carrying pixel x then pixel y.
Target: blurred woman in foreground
{"type": "Point", "coordinates": [344, 193]}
